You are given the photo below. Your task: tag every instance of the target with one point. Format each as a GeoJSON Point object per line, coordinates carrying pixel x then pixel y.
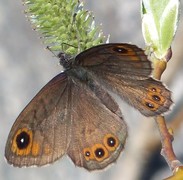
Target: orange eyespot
{"type": "Point", "coordinates": [123, 50]}
{"type": "Point", "coordinates": [22, 142]}
{"type": "Point", "coordinates": [154, 89]}
{"type": "Point", "coordinates": [150, 105]}
{"type": "Point", "coordinates": [155, 97]}
{"type": "Point", "coordinates": [88, 154]}
{"type": "Point", "coordinates": [100, 152]}
{"type": "Point", "coordinates": [111, 142]}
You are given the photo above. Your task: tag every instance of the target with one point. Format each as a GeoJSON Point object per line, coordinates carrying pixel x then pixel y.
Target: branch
{"type": "Point", "coordinates": [159, 24]}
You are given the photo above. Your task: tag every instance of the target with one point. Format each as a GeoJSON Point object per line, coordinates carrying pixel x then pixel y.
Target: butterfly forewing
{"type": "Point", "coordinates": [40, 134]}
{"type": "Point", "coordinates": [120, 59]}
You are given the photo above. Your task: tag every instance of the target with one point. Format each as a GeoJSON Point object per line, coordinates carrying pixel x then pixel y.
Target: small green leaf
{"type": "Point", "coordinates": [159, 24]}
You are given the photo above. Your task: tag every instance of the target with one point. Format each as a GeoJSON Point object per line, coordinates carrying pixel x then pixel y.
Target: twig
{"type": "Point", "coordinates": [166, 140]}
{"type": "Point", "coordinates": [166, 134]}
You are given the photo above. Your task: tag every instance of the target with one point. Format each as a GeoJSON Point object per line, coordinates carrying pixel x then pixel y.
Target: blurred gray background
{"type": "Point", "coordinates": [25, 67]}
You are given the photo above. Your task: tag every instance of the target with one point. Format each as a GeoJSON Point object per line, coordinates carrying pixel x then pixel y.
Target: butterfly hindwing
{"type": "Point", "coordinates": [125, 69]}
{"type": "Point", "coordinates": [94, 126]}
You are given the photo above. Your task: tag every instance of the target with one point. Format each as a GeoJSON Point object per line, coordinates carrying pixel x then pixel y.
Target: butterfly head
{"type": "Point", "coordinates": [65, 60]}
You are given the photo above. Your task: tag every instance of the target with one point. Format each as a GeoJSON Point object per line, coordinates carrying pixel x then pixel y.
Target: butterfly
{"type": "Point", "coordinates": [75, 115]}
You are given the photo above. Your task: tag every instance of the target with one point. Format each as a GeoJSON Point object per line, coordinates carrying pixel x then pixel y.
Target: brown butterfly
{"type": "Point", "coordinates": [75, 115]}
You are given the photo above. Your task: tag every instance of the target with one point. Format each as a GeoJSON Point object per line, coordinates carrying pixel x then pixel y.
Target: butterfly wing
{"type": "Point", "coordinates": [98, 129]}
{"type": "Point", "coordinates": [125, 60]}
{"type": "Point", "coordinates": [125, 70]}
{"type": "Point", "coordinates": [39, 135]}
{"type": "Point", "coordinates": [68, 117]}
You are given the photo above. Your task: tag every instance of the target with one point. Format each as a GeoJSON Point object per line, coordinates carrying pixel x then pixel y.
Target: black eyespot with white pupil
{"type": "Point", "coordinates": [120, 50]}
{"type": "Point", "coordinates": [99, 152]}
{"type": "Point", "coordinates": [111, 142]}
{"type": "Point", "coordinates": [87, 154]}
{"type": "Point", "coordinates": [156, 98]}
{"type": "Point", "coordinates": [22, 140]}
{"type": "Point", "coordinates": [154, 89]}
{"type": "Point", "coordinates": [149, 105]}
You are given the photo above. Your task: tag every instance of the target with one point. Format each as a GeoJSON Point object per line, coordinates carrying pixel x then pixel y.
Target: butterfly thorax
{"type": "Point", "coordinates": [71, 67]}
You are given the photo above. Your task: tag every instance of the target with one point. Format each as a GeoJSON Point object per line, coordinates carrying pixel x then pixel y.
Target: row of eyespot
{"type": "Point", "coordinates": [153, 95]}
{"type": "Point", "coordinates": [23, 140]}
{"type": "Point", "coordinates": [100, 152]}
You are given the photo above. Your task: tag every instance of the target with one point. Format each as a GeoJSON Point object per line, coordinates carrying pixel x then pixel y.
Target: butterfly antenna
{"type": "Point", "coordinates": [48, 48]}
{"type": "Point", "coordinates": [68, 45]}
